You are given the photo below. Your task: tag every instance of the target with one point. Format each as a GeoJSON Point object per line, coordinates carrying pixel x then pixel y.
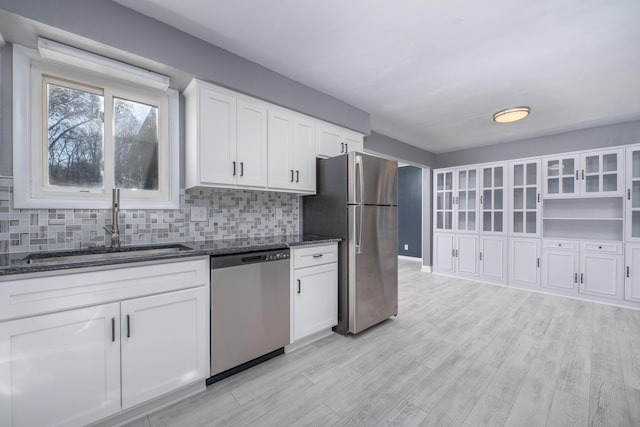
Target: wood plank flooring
{"type": "Point", "coordinates": [459, 353]}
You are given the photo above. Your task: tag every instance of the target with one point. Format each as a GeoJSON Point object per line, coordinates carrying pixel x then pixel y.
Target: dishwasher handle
{"type": "Point", "coordinates": [252, 259]}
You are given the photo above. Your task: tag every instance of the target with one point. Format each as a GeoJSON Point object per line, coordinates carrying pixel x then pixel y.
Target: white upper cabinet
{"type": "Point", "coordinates": [562, 176]}
{"type": "Point", "coordinates": [226, 138]}
{"type": "Point", "coordinates": [334, 141]}
{"type": "Point", "coordinates": [493, 198]}
{"type": "Point", "coordinates": [525, 199]}
{"type": "Point", "coordinates": [443, 192]}
{"type": "Point", "coordinates": [292, 156]}
{"type": "Point", "coordinates": [632, 196]}
{"type": "Point", "coordinates": [456, 204]}
{"type": "Point", "coordinates": [594, 174]}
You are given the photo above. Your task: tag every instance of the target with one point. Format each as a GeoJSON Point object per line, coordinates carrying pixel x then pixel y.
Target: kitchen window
{"type": "Point", "coordinates": [78, 134]}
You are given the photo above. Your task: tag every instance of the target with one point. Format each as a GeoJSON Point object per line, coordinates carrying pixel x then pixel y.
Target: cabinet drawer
{"type": "Point", "coordinates": [314, 255]}
{"type": "Point", "coordinates": [565, 245]}
{"type": "Point", "coordinates": [606, 247]}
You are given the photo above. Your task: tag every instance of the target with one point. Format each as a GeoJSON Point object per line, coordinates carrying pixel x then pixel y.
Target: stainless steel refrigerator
{"type": "Point", "coordinates": [357, 200]}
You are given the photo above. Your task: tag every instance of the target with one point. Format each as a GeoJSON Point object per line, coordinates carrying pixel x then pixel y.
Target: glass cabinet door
{"type": "Point", "coordinates": [561, 177]}
{"type": "Point", "coordinates": [466, 201]}
{"type": "Point", "coordinates": [443, 184]}
{"type": "Point", "coordinates": [492, 199]}
{"type": "Point", "coordinates": [525, 198]}
{"type": "Point", "coordinates": [633, 194]}
{"type": "Point", "coordinates": [601, 174]}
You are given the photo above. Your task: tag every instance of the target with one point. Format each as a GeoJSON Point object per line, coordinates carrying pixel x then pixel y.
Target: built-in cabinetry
{"type": "Point", "coordinates": [92, 344]}
{"type": "Point", "coordinates": [226, 138]}
{"type": "Point", "coordinates": [236, 141]}
{"type": "Point", "coordinates": [567, 224]}
{"type": "Point", "coordinates": [292, 164]}
{"type": "Point", "coordinates": [314, 292]}
{"type": "Point", "coordinates": [334, 141]}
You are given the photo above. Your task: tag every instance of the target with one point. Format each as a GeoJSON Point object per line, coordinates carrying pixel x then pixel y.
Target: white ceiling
{"type": "Point", "coordinates": [431, 73]}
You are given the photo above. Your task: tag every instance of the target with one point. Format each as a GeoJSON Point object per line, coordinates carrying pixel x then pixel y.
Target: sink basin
{"type": "Point", "coordinates": [102, 254]}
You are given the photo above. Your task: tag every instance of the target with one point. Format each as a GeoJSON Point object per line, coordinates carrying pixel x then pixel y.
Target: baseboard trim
{"type": "Point", "coordinates": [426, 269]}
{"type": "Point", "coordinates": [409, 258]}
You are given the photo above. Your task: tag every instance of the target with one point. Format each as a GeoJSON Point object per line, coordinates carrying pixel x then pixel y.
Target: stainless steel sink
{"type": "Point", "coordinates": [101, 254]}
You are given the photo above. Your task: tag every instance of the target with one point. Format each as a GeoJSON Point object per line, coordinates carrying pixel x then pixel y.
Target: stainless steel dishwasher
{"type": "Point", "coordinates": [249, 310]}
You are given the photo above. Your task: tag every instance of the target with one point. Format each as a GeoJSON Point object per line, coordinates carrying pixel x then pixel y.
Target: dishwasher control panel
{"type": "Point", "coordinates": [276, 256]}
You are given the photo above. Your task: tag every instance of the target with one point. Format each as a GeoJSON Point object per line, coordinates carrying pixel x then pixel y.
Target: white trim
{"type": "Point", "coordinates": [28, 96]}
{"type": "Point", "coordinates": [410, 258]}
{"type": "Point", "coordinates": [84, 60]}
{"type": "Point", "coordinates": [426, 269]}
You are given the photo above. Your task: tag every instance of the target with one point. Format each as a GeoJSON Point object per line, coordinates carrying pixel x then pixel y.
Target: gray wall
{"type": "Point", "coordinates": [114, 25]}
{"type": "Point", "coordinates": [390, 147]}
{"type": "Point", "coordinates": [603, 136]}
{"type": "Point", "coordinates": [410, 211]}
{"type": "Point", "coordinates": [6, 148]}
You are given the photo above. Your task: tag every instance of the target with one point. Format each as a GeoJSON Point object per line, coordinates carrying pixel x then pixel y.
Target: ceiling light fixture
{"type": "Point", "coordinates": [509, 115]}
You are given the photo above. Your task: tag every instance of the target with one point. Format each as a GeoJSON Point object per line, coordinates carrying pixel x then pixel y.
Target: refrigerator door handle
{"type": "Point", "coordinates": [360, 175]}
{"type": "Point", "coordinates": [359, 229]}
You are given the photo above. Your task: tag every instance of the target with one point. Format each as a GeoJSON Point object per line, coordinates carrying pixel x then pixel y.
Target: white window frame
{"type": "Point", "coordinates": [31, 189]}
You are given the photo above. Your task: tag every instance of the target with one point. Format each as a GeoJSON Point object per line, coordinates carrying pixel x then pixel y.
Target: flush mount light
{"type": "Point", "coordinates": [511, 114]}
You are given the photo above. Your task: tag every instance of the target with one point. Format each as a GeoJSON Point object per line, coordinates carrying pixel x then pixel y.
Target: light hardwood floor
{"type": "Point", "coordinates": [459, 353]}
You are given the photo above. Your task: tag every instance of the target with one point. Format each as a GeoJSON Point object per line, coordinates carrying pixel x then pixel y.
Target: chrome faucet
{"type": "Point", "coordinates": [115, 211]}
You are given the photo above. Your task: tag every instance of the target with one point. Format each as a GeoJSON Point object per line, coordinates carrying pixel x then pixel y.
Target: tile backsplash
{"type": "Point", "coordinates": [231, 214]}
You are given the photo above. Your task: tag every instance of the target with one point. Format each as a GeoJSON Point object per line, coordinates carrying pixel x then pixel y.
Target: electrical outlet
{"type": "Point", "coordinates": [406, 247]}
{"type": "Point", "coordinates": [198, 213]}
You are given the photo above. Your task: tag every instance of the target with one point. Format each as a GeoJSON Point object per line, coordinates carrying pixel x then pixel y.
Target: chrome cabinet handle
{"type": "Point", "coordinates": [241, 168]}
{"type": "Point", "coordinates": [575, 277]}
{"type": "Point", "coordinates": [581, 277]}
{"type": "Point", "coordinates": [341, 147]}
{"type": "Point", "coordinates": [346, 148]}
{"type": "Point", "coordinates": [128, 327]}
{"type": "Point", "coordinates": [628, 194]}
{"type": "Point", "coordinates": [234, 168]}
{"type": "Point", "coordinates": [583, 174]}
{"type": "Point", "coordinates": [628, 272]}
{"type": "Point", "coordinates": [538, 262]}
{"type": "Point", "coordinates": [318, 256]}
{"type": "Point", "coordinates": [113, 327]}
{"type": "Point", "coordinates": [480, 256]}
{"type": "Point", "coordinates": [299, 282]}
{"type": "Point", "coordinates": [291, 175]}
{"type": "Point", "coordinates": [577, 177]}
{"type": "Point", "coordinates": [297, 176]}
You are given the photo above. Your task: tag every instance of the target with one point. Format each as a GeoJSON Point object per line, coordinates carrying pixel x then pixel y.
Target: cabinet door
{"type": "Point", "coordinates": [467, 255]}
{"type": "Point", "coordinates": [493, 258]}
{"type": "Point", "coordinates": [330, 143]}
{"type": "Point", "coordinates": [560, 270]}
{"type": "Point", "coordinates": [444, 252]}
{"type": "Point", "coordinates": [304, 154]}
{"type": "Point", "coordinates": [252, 144]}
{"type": "Point", "coordinates": [632, 199]}
{"type": "Point", "coordinates": [165, 343]}
{"type": "Point", "coordinates": [493, 199]}
{"type": "Point", "coordinates": [315, 299]}
{"type": "Point", "coordinates": [466, 203]}
{"type": "Point", "coordinates": [281, 170]}
{"type": "Point", "coordinates": [561, 176]}
{"type": "Point", "coordinates": [602, 174]}
{"type": "Point", "coordinates": [61, 368]}
{"type": "Point", "coordinates": [217, 137]}
{"type": "Point", "coordinates": [443, 192]}
{"type": "Point", "coordinates": [601, 275]}
{"type": "Point", "coordinates": [524, 262]}
{"type": "Point", "coordinates": [353, 141]}
{"type": "Point", "coordinates": [632, 273]}
{"type": "Point", "coordinates": [525, 198]}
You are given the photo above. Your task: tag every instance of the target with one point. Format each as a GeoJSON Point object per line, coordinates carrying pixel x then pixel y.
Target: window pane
{"type": "Point", "coordinates": [75, 137]}
{"type": "Point", "coordinates": [136, 144]}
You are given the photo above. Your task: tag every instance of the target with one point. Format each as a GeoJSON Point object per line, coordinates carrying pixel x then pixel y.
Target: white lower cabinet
{"type": "Point", "coordinates": [524, 262]}
{"type": "Point", "coordinates": [493, 259]}
{"type": "Point", "coordinates": [467, 255]}
{"type": "Point", "coordinates": [444, 253]}
{"type": "Point", "coordinates": [169, 330]}
{"type": "Point", "coordinates": [314, 290]}
{"type": "Point", "coordinates": [560, 266]}
{"type": "Point", "coordinates": [632, 272]}
{"type": "Point", "coordinates": [80, 365]}
{"type": "Point", "coordinates": [61, 368]}
{"type": "Point", "coordinates": [601, 266]}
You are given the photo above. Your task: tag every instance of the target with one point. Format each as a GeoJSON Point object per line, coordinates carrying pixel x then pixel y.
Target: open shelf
{"type": "Point", "coordinates": [599, 218]}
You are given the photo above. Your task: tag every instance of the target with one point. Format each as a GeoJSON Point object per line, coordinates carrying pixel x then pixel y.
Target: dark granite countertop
{"type": "Point", "coordinates": [22, 263]}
